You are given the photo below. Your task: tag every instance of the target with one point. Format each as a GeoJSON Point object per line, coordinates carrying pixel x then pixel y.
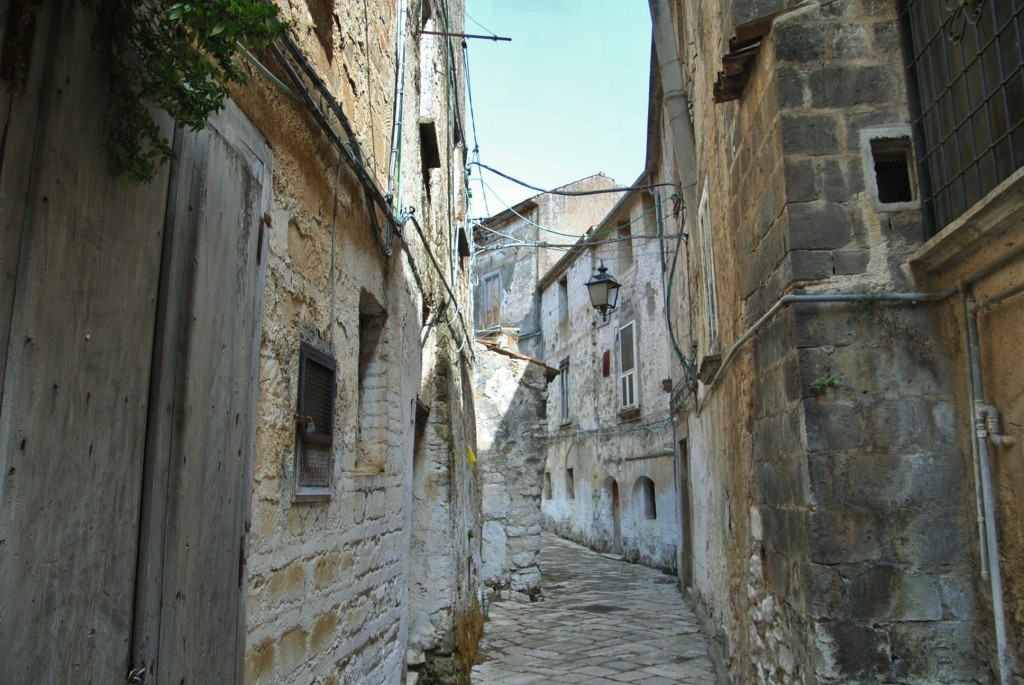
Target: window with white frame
{"type": "Point", "coordinates": [563, 382]}
{"type": "Point", "coordinates": [707, 279]}
{"type": "Point", "coordinates": [627, 366]}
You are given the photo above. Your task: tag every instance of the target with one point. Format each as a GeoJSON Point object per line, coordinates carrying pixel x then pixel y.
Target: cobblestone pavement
{"type": "Point", "coordinates": [602, 621]}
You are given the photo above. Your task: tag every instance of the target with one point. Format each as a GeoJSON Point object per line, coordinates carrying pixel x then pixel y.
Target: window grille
{"type": "Point", "coordinates": [314, 449]}
{"type": "Point", "coordinates": [892, 172]}
{"type": "Point", "coordinates": [966, 74]}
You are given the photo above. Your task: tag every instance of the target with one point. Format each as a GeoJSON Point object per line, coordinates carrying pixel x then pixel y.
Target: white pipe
{"type": "Point", "coordinates": [982, 414]}
{"type": "Point", "coordinates": [675, 103]}
{"type": "Point", "coordinates": [973, 381]}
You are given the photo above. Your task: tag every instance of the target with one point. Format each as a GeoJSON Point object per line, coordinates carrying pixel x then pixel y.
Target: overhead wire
{"type": "Point", "coordinates": [576, 193]}
{"type": "Point", "coordinates": [612, 230]}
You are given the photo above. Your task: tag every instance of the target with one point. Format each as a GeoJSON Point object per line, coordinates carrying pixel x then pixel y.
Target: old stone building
{"type": "Point", "coordinates": [510, 257]}
{"type": "Point", "coordinates": [510, 254]}
{"type": "Point", "coordinates": [850, 171]}
{"type": "Point", "coordinates": [608, 478]}
{"type": "Point", "coordinates": [257, 373]}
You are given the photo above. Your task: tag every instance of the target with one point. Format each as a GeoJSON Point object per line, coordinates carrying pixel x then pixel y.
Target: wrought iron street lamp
{"type": "Point", "coordinates": [604, 291]}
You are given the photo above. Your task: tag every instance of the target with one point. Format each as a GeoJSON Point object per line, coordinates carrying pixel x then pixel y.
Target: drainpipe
{"type": "Point", "coordinates": [396, 127]}
{"type": "Point", "coordinates": [675, 104]}
{"type": "Point", "coordinates": [987, 427]}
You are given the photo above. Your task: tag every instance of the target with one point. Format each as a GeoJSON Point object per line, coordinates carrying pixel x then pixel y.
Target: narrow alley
{"type": "Point", "coordinates": [601, 621]}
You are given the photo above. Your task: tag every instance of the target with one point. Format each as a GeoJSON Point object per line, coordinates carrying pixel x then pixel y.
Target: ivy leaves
{"type": "Point", "coordinates": [178, 56]}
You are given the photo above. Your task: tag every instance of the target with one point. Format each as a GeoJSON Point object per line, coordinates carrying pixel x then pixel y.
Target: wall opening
{"type": "Point", "coordinates": [564, 390]}
{"type": "Point", "coordinates": [889, 168]}
{"type": "Point", "coordinates": [611, 489]}
{"type": "Point", "coordinates": [892, 170]}
{"type": "Point", "coordinates": [685, 527]}
{"type": "Point", "coordinates": [563, 300]}
{"type": "Point", "coordinates": [644, 496]}
{"type": "Point", "coordinates": [372, 412]}
{"type": "Point", "coordinates": [570, 485]}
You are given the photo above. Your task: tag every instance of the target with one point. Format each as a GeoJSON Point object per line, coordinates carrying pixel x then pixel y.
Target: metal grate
{"type": "Point", "coordinates": [315, 421]}
{"type": "Point", "coordinates": [315, 465]}
{"type": "Point", "coordinates": [966, 71]}
{"type": "Point", "coordinates": [891, 159]}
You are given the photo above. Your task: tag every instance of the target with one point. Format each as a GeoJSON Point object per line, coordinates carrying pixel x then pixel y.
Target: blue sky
{"type": "Point", "coordinates": [566, 98]}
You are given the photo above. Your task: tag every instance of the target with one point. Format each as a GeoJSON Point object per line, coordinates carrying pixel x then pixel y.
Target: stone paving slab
{"type": "Point", "coordinates": [602, 621]}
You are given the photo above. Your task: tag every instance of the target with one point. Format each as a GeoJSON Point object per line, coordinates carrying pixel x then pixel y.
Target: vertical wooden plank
{"type": "Point", "coordinates": [209, 434]}
{"type": "Point", "coordinates": [19, 115]}
{"type": "Point", "coordinates": [76, 383]}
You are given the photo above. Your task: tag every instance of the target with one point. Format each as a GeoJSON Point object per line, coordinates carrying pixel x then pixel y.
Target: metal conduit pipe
{"type": "Point", "coordinates": [399, 109]}
{"type": "Point", "coordinates": [794, 298]}
{"type": "Point", "coordinates": [973, 381]}
{"type": "Point", "coordinates": [983, 469]}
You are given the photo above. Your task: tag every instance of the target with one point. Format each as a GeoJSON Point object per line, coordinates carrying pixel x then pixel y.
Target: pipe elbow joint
{"type": "Point", "coordinates": [994, 426]}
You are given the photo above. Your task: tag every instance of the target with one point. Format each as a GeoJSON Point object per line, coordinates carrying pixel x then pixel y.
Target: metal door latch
{"type": "Point", "coordinates": [136, 676]}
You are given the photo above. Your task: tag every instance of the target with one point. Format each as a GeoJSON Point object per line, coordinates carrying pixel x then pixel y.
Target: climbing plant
{"type": "Point", "coordinates": [177, 56]}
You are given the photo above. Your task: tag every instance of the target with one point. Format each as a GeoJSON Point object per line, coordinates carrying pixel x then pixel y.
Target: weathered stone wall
{"type": "Point", "coordinates": [830, 513]}
{"type": "Point", "coordinates": [511, 422]}
{"type": "Point", "coordinates": [610, 449]}
{"type": "Point", "coordinates": [330, 577]}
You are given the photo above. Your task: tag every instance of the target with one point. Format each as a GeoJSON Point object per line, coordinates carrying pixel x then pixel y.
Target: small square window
{"type": "Point", "coordinates": [889, 168]}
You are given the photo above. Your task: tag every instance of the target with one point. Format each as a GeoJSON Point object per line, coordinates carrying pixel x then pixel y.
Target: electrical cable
{"type": "Point", "coordinates": [410, 216]}
{"type": "Point", "coordinates": [687, 367]}
{"type": "Point", "coordinates": [472, 120]}
{"type": "Point", "coordinates": [596, 234]}
{"type": "Point", "coordinates": [472, 19]}
{"type": "Point", "coordinates": [576, 193]}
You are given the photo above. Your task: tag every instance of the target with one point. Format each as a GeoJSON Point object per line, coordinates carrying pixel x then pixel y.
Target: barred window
{"type": "Point", "coordinates": [966, 75]}
{"type": "Point", "coordinates": [314, 460]}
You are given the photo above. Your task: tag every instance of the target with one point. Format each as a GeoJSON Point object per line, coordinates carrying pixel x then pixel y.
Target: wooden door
{"type": "Point", "coordinates": [190, 624]}
{"type": "Point", "coordinates": [130, 317]}
{"type": "Point", "coordinates": [80, 255]}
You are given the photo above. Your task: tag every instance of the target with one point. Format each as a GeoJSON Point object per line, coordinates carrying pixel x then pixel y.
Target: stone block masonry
{"type": "Point", "coordinates": [831, 495]}
{"type": "Point", "coordinates": [510, 404]}
{"type": "Point", "coordinates": [333, 570]}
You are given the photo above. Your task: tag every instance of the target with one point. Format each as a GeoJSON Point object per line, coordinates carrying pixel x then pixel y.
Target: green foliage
{"type": "Point", "coordinates": [819, 384]}
{"type": "Point", "coordinates": [178, 56]}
